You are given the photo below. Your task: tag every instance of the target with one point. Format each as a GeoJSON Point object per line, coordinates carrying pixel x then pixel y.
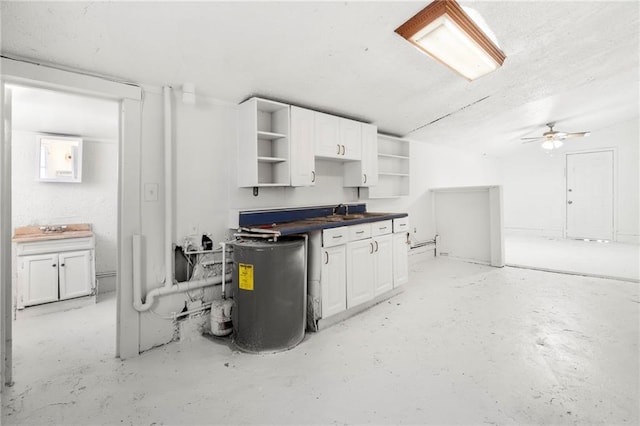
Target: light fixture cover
{"type": "Point", "coordinates": [445, 32]}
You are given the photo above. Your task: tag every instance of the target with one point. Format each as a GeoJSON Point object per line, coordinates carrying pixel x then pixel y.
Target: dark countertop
{"type": "Point", "coordinates": [304, 226]}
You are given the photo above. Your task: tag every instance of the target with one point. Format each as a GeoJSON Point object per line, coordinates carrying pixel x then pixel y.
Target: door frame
{"type": "Point", "coordinates": [614, 150]}
{"type": "Point", "coordinates": [129, 97]}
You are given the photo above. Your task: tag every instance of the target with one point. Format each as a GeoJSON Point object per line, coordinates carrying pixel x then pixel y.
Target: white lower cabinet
{"type": "Point", "coordinates": [400, 252]}
{"type": "Point", "coordinates": [383, 258]}
{"type": "Point", "coordinates": [359, 263]}
{"type": "Point", "coordinates": [333, 280]}
{"type": "Point", "coordinates": [360, 272]}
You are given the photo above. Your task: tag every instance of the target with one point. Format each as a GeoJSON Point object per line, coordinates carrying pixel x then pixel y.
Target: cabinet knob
{"type": "Point", "coordinates": [54, 265]}
{"type": "Point", "coordinates": [62, 264]}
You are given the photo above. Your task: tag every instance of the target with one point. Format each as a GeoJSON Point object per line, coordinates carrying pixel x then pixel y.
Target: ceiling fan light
{"type": "Point", "coordinates": [557, 143]}
{"type": "Point", "coordinates": [548, 145]}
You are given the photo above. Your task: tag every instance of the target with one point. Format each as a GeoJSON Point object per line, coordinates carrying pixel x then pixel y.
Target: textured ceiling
{"type": "Point", "coordinates": [571, 62]}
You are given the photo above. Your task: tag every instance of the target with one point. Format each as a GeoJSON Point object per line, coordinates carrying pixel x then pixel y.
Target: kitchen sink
{"type": "Point", "coordinates": [345, 217]}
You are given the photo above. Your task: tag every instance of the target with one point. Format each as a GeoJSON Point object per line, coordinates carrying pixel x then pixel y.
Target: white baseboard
{"type": "Point", "coordinates": [628, 238]}
{"type": "Point", "coordinates": [533, 232]}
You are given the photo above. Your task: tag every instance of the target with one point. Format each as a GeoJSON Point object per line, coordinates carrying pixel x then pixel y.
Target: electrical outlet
{"type": "Point", "coordinates": [151, 192]}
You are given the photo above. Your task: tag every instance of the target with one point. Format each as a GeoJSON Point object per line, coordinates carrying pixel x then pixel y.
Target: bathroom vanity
{"type": "Point", "coordinates": [53, 263]}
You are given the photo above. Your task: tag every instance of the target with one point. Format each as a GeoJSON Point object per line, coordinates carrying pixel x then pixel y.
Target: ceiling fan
{"type": "Point", "coordinates": [554, 139]}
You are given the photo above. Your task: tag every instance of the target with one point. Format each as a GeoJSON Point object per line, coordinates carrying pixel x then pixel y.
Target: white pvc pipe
{"type": "Point", "coordinates": [161, 291]}
{"type": "Point", "coordinates": [168, 190]}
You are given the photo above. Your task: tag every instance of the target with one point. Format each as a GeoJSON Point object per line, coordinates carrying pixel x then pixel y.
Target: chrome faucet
{"type": "Point", "coordinates": [346, 208]}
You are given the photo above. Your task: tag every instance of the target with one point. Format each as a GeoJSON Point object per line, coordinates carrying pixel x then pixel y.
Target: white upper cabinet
{"type": "Point", "coordinates": [337, 138]}
{"type": "Point", "coordinates": [350, 138]}
{"type": "Point", "coordinates": [364, 173]}
{"type": "Point", "coordinates": [326, 136]}
{"type": "Point", "coordinates": [263, 144]}
{"type": "Point", "coordinates": [302, 147]}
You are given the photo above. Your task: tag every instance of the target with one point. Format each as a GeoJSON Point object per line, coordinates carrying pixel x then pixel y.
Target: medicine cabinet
{"type": "Point", "coordinates": [60, 159]}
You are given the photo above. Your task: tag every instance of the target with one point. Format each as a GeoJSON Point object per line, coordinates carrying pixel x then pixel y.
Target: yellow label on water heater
{"type": "Point", "coordinates": [245, 276]}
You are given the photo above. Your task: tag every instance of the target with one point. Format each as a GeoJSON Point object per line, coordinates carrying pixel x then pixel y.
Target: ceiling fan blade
{"type": "Point", "coordinates": [531, 140]}
{"type": "Point", "coordinates": [536, 138]}
{"type": "Point", "coordinates": [578, 134]}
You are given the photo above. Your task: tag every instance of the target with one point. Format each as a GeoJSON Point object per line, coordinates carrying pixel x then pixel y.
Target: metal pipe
{"type": "Point", "coordinates": [168, 189]}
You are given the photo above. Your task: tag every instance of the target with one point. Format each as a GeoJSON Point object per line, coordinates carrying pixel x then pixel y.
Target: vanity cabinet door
{"type": "Point", "coordinates": [37, 279]}
{"type": "Point", "coordinates": [384, 264]}
{"type": "Point", "coordinates": [327, 143]}
{"type": "Point", "coordinates": [75, 274]}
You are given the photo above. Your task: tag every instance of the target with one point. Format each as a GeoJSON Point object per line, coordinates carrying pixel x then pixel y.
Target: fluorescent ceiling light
{"type": "Point", "coordinates": [445, 32]}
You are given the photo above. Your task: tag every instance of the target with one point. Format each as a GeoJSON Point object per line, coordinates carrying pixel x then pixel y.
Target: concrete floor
{"type": "Point", "coordinates": [463, 344]}
{"type": "Point", "coordinates": [606, 260]}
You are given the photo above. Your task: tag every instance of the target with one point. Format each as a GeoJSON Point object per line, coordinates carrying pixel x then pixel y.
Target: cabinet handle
{"type": "Point", "coordinates": [365, 178]}
{"type": "Point", "coordinates": [326, 262]}
{"type": "Point", "coordinates": [359, 232]}
{"type": "Point", "coordinates": [336, 236]}
{"type": "Point", "coordinates": [313, 176]}
{"type": "Point", "coordinates": [382, 228]}
{"type": "Point", "coordinates": [376, 245]}
{"type": "Point", "coordinates": [371, 252]}
{"type": "Point", "coordinates": [338, 149]}
{"type": "Point", "coordinates": [343, 149]}
{"type": "Point", "coordinates": [54, 265]}
{"type": "Point", "coordinates": [62, 264]}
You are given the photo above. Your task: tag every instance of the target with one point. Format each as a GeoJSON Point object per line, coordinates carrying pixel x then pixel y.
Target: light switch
{"type": "Point", "coordinates": [151, 192]}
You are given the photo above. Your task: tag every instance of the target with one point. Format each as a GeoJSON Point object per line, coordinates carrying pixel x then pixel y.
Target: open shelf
{"type": "Point", "coordinates": [271, 159]}
{"type": "Point", "coordinates": [394, 168]}
{"type": "Point", "coordinates": [263, 149]}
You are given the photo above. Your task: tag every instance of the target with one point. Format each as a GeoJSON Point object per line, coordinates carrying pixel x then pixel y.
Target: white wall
{"type": "Point", "coordinates": [534, 183]}
{"type": "Point", "coordinates": [437, 166]}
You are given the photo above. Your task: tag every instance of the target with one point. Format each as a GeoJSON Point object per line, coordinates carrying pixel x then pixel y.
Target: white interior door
{"type": "Point", "coordinates": [590, 195]}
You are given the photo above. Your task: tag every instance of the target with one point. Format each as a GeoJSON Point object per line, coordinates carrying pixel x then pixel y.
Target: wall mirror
{"type": "Point", "coordinates": [60, 159]}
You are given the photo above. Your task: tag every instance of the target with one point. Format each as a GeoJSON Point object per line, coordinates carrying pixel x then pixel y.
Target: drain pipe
{"type": "Point", "coordinates": [180, 287]}
{"type": "Point", "coordinates": [168, 190]}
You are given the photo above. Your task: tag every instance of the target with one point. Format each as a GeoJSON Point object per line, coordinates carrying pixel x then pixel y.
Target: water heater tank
{"type": "Point", "coordinates": [270, 294]}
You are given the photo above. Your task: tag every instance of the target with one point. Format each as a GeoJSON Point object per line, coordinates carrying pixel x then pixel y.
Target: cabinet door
{"type": "Point", "coordinates": [350, 139]}
{"type": "Point", "coordinates": [333, 280]}
{"type": "Point", "coordinates": [302, 149]}
{"type": "Point", "coordinates": [38, 279]}
{"type": "Point", "coordinates": [75, 274]}
{"type": "Point", "coordinates": [400, 259]}
{"type": "Point", "coordinates": [383, 264]}
{"type": "Point", "coordinates": [369, 155]}
{"type": "Point", "coordinates": [360, 272]}
{"type": "Point", "coordinates": [326, 136]}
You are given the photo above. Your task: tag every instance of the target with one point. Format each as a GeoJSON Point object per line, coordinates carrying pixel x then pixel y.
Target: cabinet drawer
{"type": "Point", "coordinates": [401, 224]}
{"type": "Point", "coordinates": [359, 232]}
{"type": "Point", "coordinates": [381, 228]}
{"type": "Point", "coordinates": [335, 236]}
{"type": "Point", "coordinates": [52, 246]}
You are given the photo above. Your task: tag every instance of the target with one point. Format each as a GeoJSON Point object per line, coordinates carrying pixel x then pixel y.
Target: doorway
{"type": "Point", "coordinates": [44, 328]}
{"type": "Point", "coordinates": [590, 195]}
{"type": "Point", "coordinates": [129, 99]}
